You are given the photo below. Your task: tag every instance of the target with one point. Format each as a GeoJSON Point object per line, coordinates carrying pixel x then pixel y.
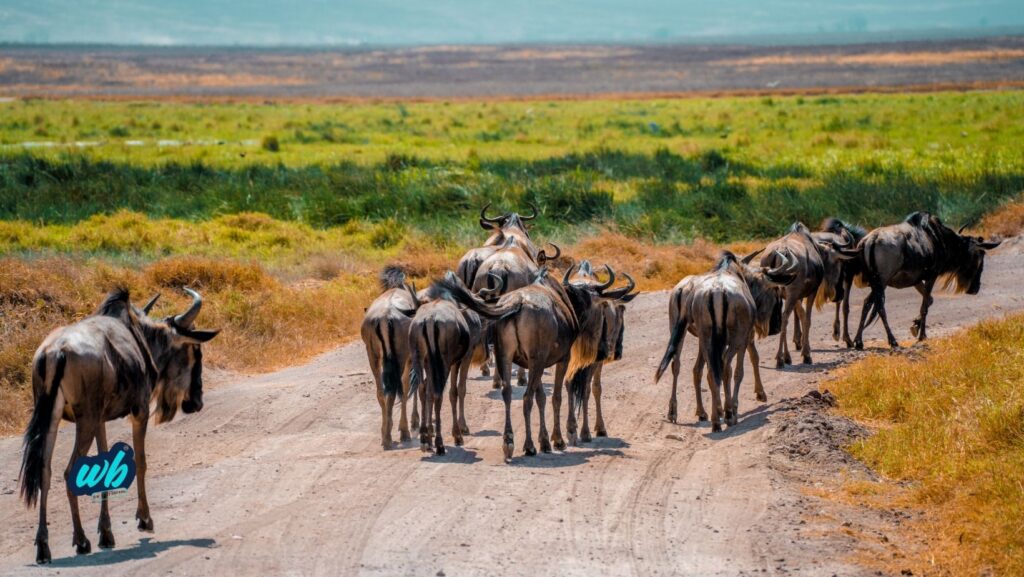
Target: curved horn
{"type": "Point", "coordinates": [496, 291]}
{"type": "Point", "coordinates": [532, 216]}
{"type": "Point", "coordinates": [782, 267]}
{"type": "Point", "coordinates": [990, 244]}
{"type": "Point", "coordinates": [962, 229]}
{"type": "Point", "coordinates": [484, 217]}
{"type": "Point", "coordinates": [622, 291]}
{"type": "Point", "coordinates": [568, 273]}
{"type": "Point", "coordinates": [543, 256]}
{"type": "Point", "coordinates": [187, 318]}
{"type": "Point", "coordinates": [149, 305]}
{"type": "Point", "coordinates": [611, 279]}
{"type": "Point", "coordinates": [750, 257]}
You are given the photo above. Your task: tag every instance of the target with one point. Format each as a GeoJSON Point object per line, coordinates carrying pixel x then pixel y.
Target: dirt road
{"type": "Point", "coordinates": [282, 474]}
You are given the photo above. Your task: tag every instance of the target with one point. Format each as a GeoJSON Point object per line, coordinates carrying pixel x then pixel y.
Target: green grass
{"type": "Point", "coordinates": [723, 169]}
{"type": "Point", "coordinates": [952, 424]}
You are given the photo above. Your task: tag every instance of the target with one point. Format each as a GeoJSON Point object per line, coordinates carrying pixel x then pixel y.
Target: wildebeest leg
{"type": "Point", "coordinates": [84, 433]}
{"type": "Point", "coordinates": [389, 409]}
{"type": "Point", "coordinates": [869, 303]}
{"type": "Point", "coordinates": [737, 379]}
{"type": "Point", "coordinates": [542, 436]}
{"type": "Point", "coordinates": [836, 325]}
{"type": "Point", "coordinates": [585, 428]}
{"type": "Point", "coordinates": [925, 289]}
{"type": "Point", "coordinates": [698, 369]}
{"type": "Point", "coordinates": [885, 320]}
{"type": "Point", "coordinates": [528, 398]}
{"type": "Point", "coordinates": [716, 402]}
{"type": "Point", "coordinates": [425, 391]}
{"type": "Point", "coordinates": [599, 428]}
{"type": "Point", "coordinates": [673, 413]}
{"type": "Point", "coordinates": [755, 361]}
{"type": "Point", "coordinates": [139, 424]}
{"type": "Point", "coordinates": [463, 377]}
{"type": "Point", "coordinates": [438, 404]}
{"type": "Point", "coordinates": [806, 318]}
{"type": "Point", "coordinates": [403, 423]}
{"type": "Point", "coordinates": [453, 397]}
{"type": "Point", "coordinates": [42, 532]}
{"type": "Point", "coordinates": [846, 314]}
{"type": "Point", "coordinates": [782, 357]}
{"type": "Point", "coordinates": [506, 397]}
{"type": "Point", "coordinates": [729, 417]}
{"type": "Point", "coordinates": [797, 334]}
{"type": "Point", "coordinates": [556, 405]}
{"type": "Point", "coordinates": [106, 535]}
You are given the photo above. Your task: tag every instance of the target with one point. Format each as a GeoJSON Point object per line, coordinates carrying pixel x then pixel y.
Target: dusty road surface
{"type": "Point", "coordinates": [282, 474]}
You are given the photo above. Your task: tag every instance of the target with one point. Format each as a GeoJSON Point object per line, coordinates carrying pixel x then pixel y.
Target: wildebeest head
{"type": "Point", "coordinates": [176, 347]}
{"type": "Point", "coordinates": [508, 224]}
{"type": "Point", "coordinates": [766, 287]}
{"type": "Point", "coordinates": [970, 262]}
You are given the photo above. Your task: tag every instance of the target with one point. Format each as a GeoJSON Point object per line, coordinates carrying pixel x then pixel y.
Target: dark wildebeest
{"type": "Point", "coordinates": [105, 367]}
{"type": "Point", "coordinates": [613, 312]}
{"type": "Point", "coordinates": [536, 327]}
{"type": "Point", "coordinates": [817, 276]}
{"type": "Point", "coordinates": [765, 288]}
{"type": "Point", "coordinates": [916, 253]}
{"type": "Point", "coordinates": [385, 332]}
{"type": "Point", "coordinates": [843, 235]}
{"type": "Point", "coordinates": [442, 339]}
{"type": "Point", "coordinates": [502, 227]}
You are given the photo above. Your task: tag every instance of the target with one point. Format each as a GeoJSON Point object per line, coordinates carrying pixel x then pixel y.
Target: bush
{"type": "Point", "coordinates": [270, 144]}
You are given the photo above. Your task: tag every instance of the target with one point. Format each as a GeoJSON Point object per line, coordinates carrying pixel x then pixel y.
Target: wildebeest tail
{"type": "Point", "coordinates": [578, 386]}
{"type": "Point", "coordinates": [718, 336]}
{"type": "Point", "coordinates": [451, 284]}
{"type": "Point", "coordinates": [675, 341]}
{"type": "Point", "coordinates": [34, 457]}
{"type": "Point", "coordinates": [438, 371]}
{"type": "Point", "coordinates": [391, 371]}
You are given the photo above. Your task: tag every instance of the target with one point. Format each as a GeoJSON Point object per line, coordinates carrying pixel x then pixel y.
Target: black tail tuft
{"type": "Point", "coordinates": [674, 342]}
{"type": "Point", "coordinates": [33, 460]}
{"type": "Point", "coordinates": [438, 372]}
{"type": "Point", "coordinates": [717, 361]}
{"type": "Point", "coordinates": [578, 386]}
{"type": "Point", "coordinates": [391, 372]}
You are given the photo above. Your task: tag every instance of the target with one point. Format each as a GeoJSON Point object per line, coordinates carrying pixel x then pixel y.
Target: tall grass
{"type": "Point", "coordinates": [952, 423]}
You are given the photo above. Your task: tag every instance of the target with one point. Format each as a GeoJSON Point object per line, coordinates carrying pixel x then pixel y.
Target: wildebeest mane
{"type": "Point", "coordinates": [392, 277]}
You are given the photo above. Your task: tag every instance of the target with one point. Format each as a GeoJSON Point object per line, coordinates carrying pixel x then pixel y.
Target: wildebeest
{"type": "Point", "coordinates": [442, 338]}
{"type": "Point", "coordinates": [764, 288]}
{"type": "Point", "coordinates": [613, 312]}
{"type": "Point", "coordinates": [536, 327]}
{"type": "Point", "coordinates": [502, 227]}
{"type": "Point", "coordinates": [843, 235]}
{"type": "Point", "coordinates": [385, 332]}
{"type": "Point", "coordinates": [817, 276]}
{"type": "Point", "coordinates": [916, 253]}
{"type": "Point", "coordinates": [105, 367]}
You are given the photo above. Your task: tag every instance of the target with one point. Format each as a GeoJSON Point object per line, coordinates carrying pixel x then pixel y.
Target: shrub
{"type": "Point", "coordinates": [270, 144]}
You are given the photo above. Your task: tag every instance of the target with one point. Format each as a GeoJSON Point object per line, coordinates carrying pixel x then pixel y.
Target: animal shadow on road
{"type": "Point", "coordinates": [146, 548]}
{"type": "Point", "coordinates": [517, 392]}
{"type": "Point", "coordinates": [454, 455]}
{"type": "Point", "coordinates": [749, 421]}
{"type": "Point", "coordinates": [811, 368]}
{"type": "Point", "coordinates": [571, 458]}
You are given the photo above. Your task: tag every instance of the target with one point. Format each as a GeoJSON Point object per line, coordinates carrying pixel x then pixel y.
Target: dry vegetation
{"type": "Point", "coordinates": [1006, 221]}
{"type": "Point", "coordinates": [950, 441]}
{"type": "Point", "coordinates": [306, 298]}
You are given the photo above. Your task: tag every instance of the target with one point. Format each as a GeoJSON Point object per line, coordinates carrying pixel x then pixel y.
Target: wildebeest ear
{"type": "Point", "coordinates": [197, 337]}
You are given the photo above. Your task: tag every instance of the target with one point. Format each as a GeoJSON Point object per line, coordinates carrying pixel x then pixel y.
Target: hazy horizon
{"type": "Point", "coordinates": [397, 23]}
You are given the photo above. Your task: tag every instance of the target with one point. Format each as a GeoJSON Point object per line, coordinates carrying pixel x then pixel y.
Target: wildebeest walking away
{"type": "Point", "coordinates": [105, 367]}
{"type": "Point", "coordinates": [385, 332]}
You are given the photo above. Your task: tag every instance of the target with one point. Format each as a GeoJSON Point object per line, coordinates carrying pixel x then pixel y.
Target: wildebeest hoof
{"type": "Point", "coordinates": [106, 539]}
{"type": "Point", "coordinates": [464, 429]}
{"type": "Point", "coordinates": [915, 327]}
{"type": "Point", "coordinates": [780, 363]}
{"type": "Point", "coordinates": [458, 440]}
{"type": "Point", "coordinates": [761, 396]}
{"type": "Point", "coordinates": [495, 386]}
{"type": "Point", "coordinates": [508, 449]}
{"type": "Point", "coordinates": [849, 343]}
{"type": "Point", "coordinates": [716, 427]}
{"type": "Point", "coordinates": [439, 448]}
{"type": "Point", "coordinates": [485, 371]}
{"type": "Point", "coordinates": [145, 524]}
{"type": "Point", "coordinates": [601, 433]}
{"type": "Point", "coordinates": [807, 360]}
{"type": "Point", "coordinates": [788, 359]}
{"type": "Point", "coordinates": [835, 332]}
{"type": "Point", "coordinates": [701, 417]}
{"type": "Point", "coordinates": [529, 449]}
{"type": "Point", "coordinates": [405, 436]}
{"type": "Point", "coordinates": [585, 436]}
{"type": "Point", "coordinates": [894, 344]}
{"type": "Point", "coordinates": [84, 547]}
{"type": "Point", "coordinates": [43, 553]}
{"type": "Point", "coordinates": [545, 445]}
{"type": "Point", "coordinates": [559, 443]}
{"type": "Point", "coordinates": [859, 345]}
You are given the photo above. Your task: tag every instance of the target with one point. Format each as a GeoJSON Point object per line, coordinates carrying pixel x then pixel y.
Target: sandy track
{"type": "Point", "coordinates": [282, 474]}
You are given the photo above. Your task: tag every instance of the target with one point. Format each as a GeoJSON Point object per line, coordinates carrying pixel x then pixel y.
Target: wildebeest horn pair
{"type": "Point", "coordinates": [492, 293]}
{"type": "Point", "coordinates": [543, 257]}
{"type": "Point", "coordinates": [496, 220]}
{"type": "Point", "coordinates": [621, 291]}
{"type": "Point", "coordinates": [784, 272]}
{"type": "Point", "coordinates": [600, 287]}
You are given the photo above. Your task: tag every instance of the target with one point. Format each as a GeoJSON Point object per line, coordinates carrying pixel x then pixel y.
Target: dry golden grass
{"type": "Point", "coordinates": [267, 319]}
{"type": "Point", "coordinates": [1006, 221]}
{"type": "Point", "coordinates": [951, 422]}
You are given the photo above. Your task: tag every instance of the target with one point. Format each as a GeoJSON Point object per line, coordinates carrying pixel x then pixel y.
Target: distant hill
{"type": "Point", "coordinates": [407, 22]}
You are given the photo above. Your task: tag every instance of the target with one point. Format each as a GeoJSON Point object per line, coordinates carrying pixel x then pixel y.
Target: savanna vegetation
{"type": "Point", "coordinates": [950, 440]}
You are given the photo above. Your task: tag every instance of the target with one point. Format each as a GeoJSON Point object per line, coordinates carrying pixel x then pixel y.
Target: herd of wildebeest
{"type": "Point", "coordinates": [501, 304]}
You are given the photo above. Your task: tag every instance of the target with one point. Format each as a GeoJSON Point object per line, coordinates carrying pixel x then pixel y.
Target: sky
{"type": "Point", "coordinates": [426, 22]}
